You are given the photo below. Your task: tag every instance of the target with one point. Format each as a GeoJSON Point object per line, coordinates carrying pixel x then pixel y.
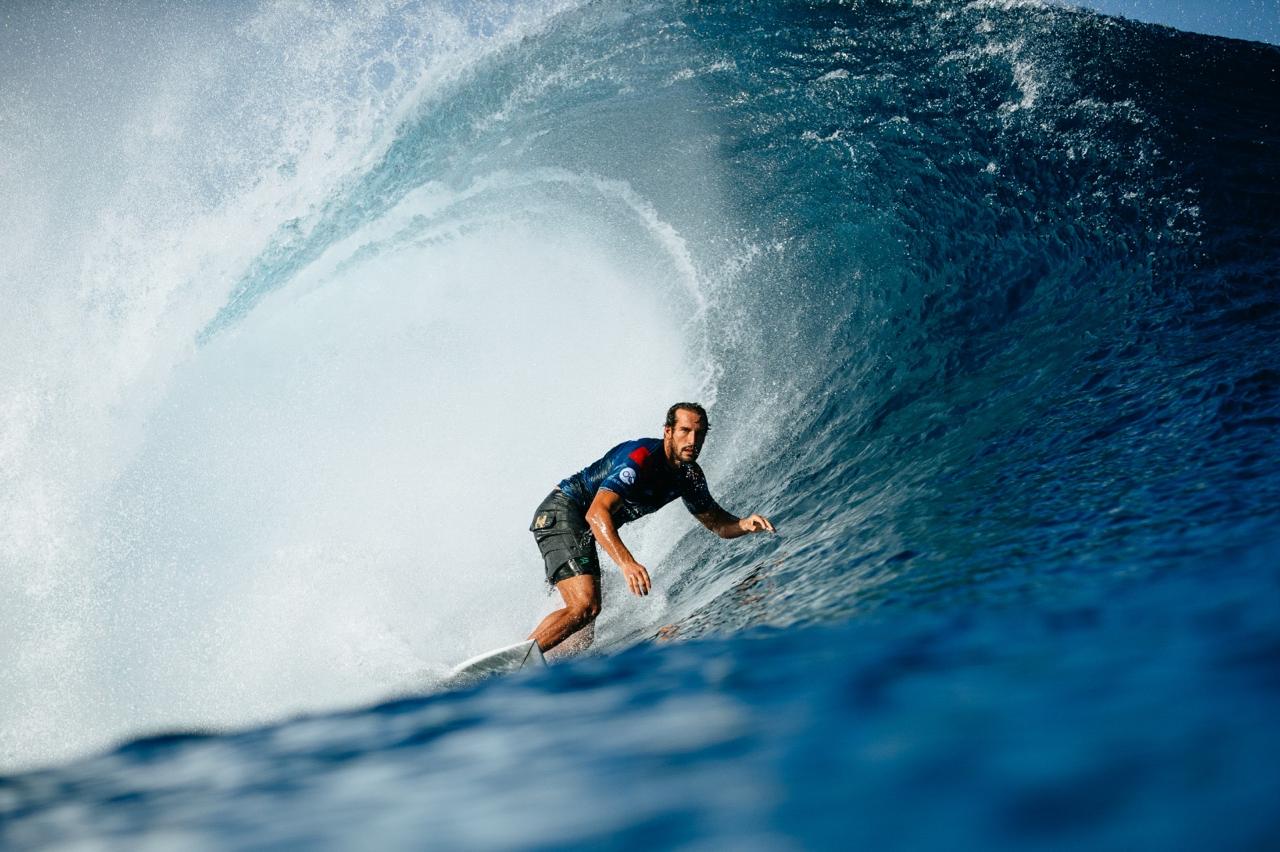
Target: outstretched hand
{"type": "Point", "coordinates": [637, 578]}
{"type": "Point", "coordinates": [755, 523]}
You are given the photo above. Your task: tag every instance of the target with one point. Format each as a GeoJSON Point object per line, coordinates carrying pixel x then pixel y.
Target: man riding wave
{"type": "Point", "coordinates": [628, 482]}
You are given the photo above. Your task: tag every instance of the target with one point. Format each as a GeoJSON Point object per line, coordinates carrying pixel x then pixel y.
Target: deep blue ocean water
{"type": "Point", "coordinates": [985, 299]}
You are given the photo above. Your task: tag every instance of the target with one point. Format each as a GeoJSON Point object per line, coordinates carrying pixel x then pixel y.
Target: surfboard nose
{"type": "Point", "coordinates": [511, 658]}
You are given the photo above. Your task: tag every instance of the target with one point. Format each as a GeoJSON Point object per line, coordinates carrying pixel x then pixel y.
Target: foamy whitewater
{"type": "Point", "coordinates": [306, 307]}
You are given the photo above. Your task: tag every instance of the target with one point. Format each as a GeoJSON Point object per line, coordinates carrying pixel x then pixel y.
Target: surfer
{"type": "Point", "coordinates": [631, 480]}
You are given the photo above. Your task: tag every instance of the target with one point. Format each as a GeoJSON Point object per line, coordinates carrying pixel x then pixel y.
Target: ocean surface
{"type": "Point", "coordinates": [306, 307]}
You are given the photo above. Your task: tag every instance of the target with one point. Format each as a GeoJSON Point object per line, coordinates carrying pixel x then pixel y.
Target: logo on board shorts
{"type": "Point", "coordinates": [628, 476]}
{"type": "Point", "coordinates": [542, 522]}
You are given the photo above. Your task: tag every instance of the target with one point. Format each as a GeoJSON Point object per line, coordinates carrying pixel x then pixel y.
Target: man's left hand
{"type": "Point", "coordinates": [755, 523]}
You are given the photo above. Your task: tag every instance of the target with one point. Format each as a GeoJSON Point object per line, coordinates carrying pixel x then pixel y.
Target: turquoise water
{"type": "Point", "coordinates": [982, 300]}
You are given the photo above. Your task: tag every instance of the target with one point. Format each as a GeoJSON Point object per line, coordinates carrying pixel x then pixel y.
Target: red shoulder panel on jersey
{"type": "Point", "coordinates": [638, 455]}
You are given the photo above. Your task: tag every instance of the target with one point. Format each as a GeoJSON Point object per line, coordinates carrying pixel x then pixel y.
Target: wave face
{"type": "Point", "coordinates": [309, 310]}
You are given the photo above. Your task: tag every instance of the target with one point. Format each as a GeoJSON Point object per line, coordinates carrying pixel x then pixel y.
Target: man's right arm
{"type": "Point", "coordinates": [600, 517]}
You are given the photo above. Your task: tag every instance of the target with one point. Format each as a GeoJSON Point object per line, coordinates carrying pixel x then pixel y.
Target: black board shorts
{"type": "Point", "coordinates": [565, 539]}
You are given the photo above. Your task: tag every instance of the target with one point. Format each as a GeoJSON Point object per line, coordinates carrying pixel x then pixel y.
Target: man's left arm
{"type": "Point", "coordinates": [700, 503]}
{"type": "Point", "coordinates": [726, 525]}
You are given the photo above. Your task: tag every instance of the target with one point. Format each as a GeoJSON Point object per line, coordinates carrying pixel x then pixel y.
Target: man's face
{"type": "Point", "coordinates": [683, 441]}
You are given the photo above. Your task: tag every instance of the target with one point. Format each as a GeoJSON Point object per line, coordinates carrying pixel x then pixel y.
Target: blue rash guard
{"type": "Point", "coordinates": [637, 471]}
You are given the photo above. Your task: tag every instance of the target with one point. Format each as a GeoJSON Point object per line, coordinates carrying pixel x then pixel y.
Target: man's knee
{"type": "Point", "coordinates": [584, 612]}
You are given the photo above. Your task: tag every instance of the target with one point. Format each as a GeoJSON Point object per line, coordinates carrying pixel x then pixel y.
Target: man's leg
{"type": "Point", "coordinates": [581, 605]}
{"type": "Point", "coordinates": [574, 645]}
{"type": "Point", "coordinates": [583, 639]}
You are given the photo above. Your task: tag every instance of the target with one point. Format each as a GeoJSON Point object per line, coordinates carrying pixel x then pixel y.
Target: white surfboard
{"type": "Point", "coordinates": [512, 658]}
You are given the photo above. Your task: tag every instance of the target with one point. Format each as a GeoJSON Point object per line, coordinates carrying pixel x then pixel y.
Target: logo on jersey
{"type": "Point", "coordinates": [628, 476]}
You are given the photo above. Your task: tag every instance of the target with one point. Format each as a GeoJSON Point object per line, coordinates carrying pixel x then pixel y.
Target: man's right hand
{"type": "Point", "coordinates": [600, 517]}
{"type": "Point", "coordinates": [637, 578]}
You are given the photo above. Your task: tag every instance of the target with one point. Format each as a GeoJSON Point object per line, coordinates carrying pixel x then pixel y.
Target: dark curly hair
{"type": "Point", "coordinates": [687, 406]}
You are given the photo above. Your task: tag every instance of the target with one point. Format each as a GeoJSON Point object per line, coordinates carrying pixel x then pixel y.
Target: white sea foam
{"type": "Point", "coordinates": [328, 496]}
